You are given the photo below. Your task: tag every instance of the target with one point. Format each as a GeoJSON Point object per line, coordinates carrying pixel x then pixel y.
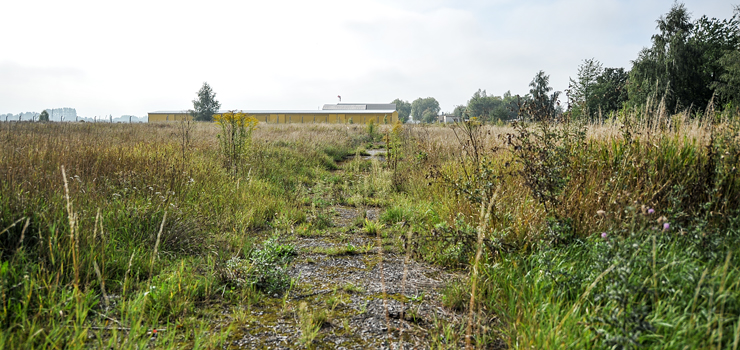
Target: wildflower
{"type": "Point", "coordinates": [666, 226]}
{"type": "Point", "coordinates": [651, 211]}
{"type": "Point", "coordinates": [603, 235]}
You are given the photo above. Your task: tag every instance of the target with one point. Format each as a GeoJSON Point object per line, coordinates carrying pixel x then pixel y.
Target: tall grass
{"type": "Point", "coordinates": [114, 235]}
{"type": "Point", "coordinates": [620, 238]}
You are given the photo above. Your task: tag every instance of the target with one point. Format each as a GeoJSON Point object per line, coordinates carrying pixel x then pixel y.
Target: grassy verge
{"type": "Point", "coordinates": [590, 236]}
{"type": "Point", "coordinates": [127, 236]}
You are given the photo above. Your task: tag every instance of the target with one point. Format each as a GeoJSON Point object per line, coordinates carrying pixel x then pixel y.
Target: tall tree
{"type": "Point", "coordinates": [610, 91]}
{"type": "Point", "coordinates": [206, 105]}
{"type": "Point", "coordinates": [44, 116]}
{"type": "Point", "coordinates": [728, 84]}
{"type": "Point", "coordinates": [481, 104]}
{"type": "Point", "coordinates": [459, 111]}
{"type": "Point", "coordinates": [403, 108]}
{"type": "Point", "coordinates": [581, 89]}
{"type": "Point", "coordinates": [425, 109]}
{"type": "Point", "coordinates": [542, 105]}
{"type": "Point", "coordinates": [597, 90]}
{"type": "Point", "coordinates": [684, 66]}
{"type": "Point", "coordinates": [722, 53]}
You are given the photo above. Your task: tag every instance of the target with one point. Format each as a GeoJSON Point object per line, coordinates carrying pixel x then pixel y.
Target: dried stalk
{"type": "Point", "coordinates": [484, 215]}
{"type": "Point", "coordinates": [156, 245]}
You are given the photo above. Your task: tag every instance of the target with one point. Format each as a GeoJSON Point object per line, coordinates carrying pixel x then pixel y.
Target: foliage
{"type": "Point", "coordinates": [44, 116]}
{"type": "Point", "coordinates": [425, 109]}
{"type": "Point", "coordinates": [206, 105]}
{"type": "Point", "coordinates": [491, 108]}
{"type": "Point", "coordinates": [403, 108]}
{"type": "Point", "coordinates": [429, 116]}
{"type": "Point", "coordinates": [729, 81]}
{"type": "Point", "coordinates": [459, 111]}
{"type": "Point", "coordinates": [683, 66]}
{"type": "Point", "coordinates": [80, 278]}
{"type": "Point", "coordinates": [310, 322]}
{"type": "Point", "coordinates": [235, 137]}
{"type": "Point", "coordinates": [541, 105]}
{"type": "Point", "coordinates": [270, 265]}
{"type": "Point", "coordinates": [597, 90]}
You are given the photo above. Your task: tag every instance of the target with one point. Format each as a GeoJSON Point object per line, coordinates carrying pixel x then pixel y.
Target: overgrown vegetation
{"type": "Point", "coordinates": [624, 233]}
{"type": "Point", "coordinates": [146, 229]}
{"type": "Point", "coordinates": [614, 232]}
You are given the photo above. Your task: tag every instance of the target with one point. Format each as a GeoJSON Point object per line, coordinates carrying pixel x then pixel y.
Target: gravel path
{"type": "Point", "coordinates": [370, 298]}
{"type": "Point", "coordinates": [361, 294]}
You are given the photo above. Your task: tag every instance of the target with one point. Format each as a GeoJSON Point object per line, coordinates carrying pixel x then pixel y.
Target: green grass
{"type": "Point", "coordinates": [153, 232]}
{"type": "Point", "coordinates": [152, 272]}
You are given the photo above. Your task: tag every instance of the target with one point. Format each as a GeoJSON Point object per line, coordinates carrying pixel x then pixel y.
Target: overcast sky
{"type": "Point", "coordinates": [134, 57]}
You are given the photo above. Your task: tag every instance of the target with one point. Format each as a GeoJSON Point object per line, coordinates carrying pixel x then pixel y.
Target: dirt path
{"type": "Point", "coordinates": [361, 297]}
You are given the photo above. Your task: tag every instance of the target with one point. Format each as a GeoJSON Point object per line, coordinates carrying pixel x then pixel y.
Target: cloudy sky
{"type": "Point", "coordinates": [134, 57]}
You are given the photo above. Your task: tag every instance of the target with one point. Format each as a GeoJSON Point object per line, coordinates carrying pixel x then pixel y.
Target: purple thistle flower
{"type": "Point", "coordinates": [651, 210]}
{"type": "Point", "coordinates": [666, 226]}
{"type": "Point", "coordinates": [603, 235]}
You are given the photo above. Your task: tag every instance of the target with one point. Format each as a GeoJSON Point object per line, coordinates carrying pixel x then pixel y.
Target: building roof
{"type": "Point", "coordinates": [344, 107]}
{"type": "Point", "coordinates": [309, 111]}
{"type": "Point", "coordinates": [364, 106]}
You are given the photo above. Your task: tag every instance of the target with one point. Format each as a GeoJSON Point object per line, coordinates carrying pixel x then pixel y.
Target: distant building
{"type": "Point", "coordinates": [341, 113]}
{"type": "Point", "coordinates": [448, 118]}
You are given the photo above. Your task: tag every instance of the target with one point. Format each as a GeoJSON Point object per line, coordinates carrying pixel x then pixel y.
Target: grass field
{"type": "Point", "coordinates": [616, 236]}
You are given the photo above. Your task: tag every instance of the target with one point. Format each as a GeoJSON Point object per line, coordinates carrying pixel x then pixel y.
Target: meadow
{"type": "Point", "coordinates": [614, 235]}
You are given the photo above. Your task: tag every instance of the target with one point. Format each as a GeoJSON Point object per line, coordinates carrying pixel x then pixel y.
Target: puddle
{"type": "Point", "coordinates": [378, 154]}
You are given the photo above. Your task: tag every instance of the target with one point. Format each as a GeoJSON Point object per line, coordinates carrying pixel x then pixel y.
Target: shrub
{"type": "Point", "coordinates": [269, 265]}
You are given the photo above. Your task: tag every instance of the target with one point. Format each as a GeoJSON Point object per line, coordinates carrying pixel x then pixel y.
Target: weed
{"type": "Point", "coordinates": [235, 137]}
{"type": "Point", "coordinates": [270, 265]}
{"type": "Point", "coordinates": [310, 322]}
{"type": "Point", "coordinates": [371, 227]}
{"type": "Point", "coordinates": [351, 288]}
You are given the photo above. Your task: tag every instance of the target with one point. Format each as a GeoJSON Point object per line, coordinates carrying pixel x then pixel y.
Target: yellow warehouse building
{"type": "Point", "coordinates": [342, 113]}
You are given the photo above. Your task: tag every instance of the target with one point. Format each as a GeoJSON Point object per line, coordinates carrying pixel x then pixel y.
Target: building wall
{"type": "Point", "coordinates": [169, 117]}
{"type": "Point", "coordinates": [290, 118]}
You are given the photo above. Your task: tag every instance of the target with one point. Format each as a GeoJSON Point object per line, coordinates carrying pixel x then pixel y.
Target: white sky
{"type": "Point", "coordinates": [134, 57]}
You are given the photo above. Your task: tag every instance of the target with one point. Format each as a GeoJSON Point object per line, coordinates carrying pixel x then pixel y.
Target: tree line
{"type": "Point", "coordinates": [691, 64]}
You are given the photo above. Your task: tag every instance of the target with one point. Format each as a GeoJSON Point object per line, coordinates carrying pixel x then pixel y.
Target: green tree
{"type": "Point", "coordinates": [44, 116]}
{"type": "Point", "coordinates": [541, 105]}
{"type": "Point", "coordinates": [581, 90]}
{"type": "Point", "coordinates": [684, 65]}
{"type": "Point", "coordinates": [429, 116]}
{"type": "Point", "coordinates": [728, 84]}
{"type": "Point", "coordinates": [597, 90]}
{"type": "Point", "coordinates": [491, 108]}
{"type": "Point", "coordinates": [403, 108]}
{"type": "Point", "coordinates": [424, 108]}
{"type": "Point", "coordinates": [481, 105]}
{"type": "Point", "coordinates": [509, 109]}
{"type": "Point", "coordinates": [459, 111]}
{"type": "Point", "coordinates": [206, 105]}
{"type": "Point", "coordinates": [610, 91]}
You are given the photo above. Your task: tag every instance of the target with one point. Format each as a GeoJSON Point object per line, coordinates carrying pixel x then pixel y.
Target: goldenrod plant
{"type": "Point", "coordinates": [235, 137]}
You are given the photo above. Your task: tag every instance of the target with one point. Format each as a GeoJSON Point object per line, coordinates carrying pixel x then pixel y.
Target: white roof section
{"type": "Point", "coordinates": [365, 106]}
